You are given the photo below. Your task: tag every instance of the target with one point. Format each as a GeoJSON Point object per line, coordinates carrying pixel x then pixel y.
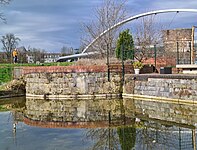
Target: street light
{"type": "Point", "coordinates": [108, 70]}
{"type": "Point", "coordinates": [155, 55]}
{"type": "Point", "coordinates": [177, 49]}
{"type": "Point", "coordinates": [123, 68]}
{"type": "Point", "coordinates": [190, 50]}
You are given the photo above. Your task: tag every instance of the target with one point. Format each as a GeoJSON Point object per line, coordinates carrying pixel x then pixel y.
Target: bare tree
{"type": "Point", "coordinates": [65, 50]}
{"type": "Point", "coordinates": [3, 2]}
{"type": "Point", "coordinates": [110, 13]}
{"type": "Point", "coordinates": [9, 41]}
{"type": "Point", "coordinates": [37, 54]}
{"type": "Point", "coordinates": [148, 33]}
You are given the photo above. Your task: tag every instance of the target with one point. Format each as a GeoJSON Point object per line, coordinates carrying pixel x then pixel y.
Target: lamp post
{"type": "Point", "coordinates": [108, 70]}
{"type": "Point", "coordinates": [155, 56]}
{"type": "Point", "coordinates": [123, 68]}
{"type": "Point", "coordinates": [190, 54]}
{"type": "Point", "coordinates": [177, 49]}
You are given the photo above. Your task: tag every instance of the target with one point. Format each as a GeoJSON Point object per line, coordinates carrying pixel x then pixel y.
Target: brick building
{"type": "Point", "coordinates": [177, 44]}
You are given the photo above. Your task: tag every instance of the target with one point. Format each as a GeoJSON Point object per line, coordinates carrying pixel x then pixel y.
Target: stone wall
{"type": "Point", "coordinates": [74, 81]}
{"type": "Point", "coordinates": [91, 83]}
{"type": "Point", "coordinates": [72, 85]}
{"type": "Point", "coordinates": [175, 87]}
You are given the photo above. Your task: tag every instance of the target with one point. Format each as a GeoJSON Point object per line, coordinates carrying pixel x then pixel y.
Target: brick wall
{"type": "Point", "coordinates": [71, 69]}
{"type": "Point", "coordinates": [65, 69]}
{"type": "Point", "coordinates": [170, 38]}
{"type": "Point", "coordinates": [161, 62]}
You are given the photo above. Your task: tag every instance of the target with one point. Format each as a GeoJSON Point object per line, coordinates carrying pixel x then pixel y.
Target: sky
{"type": "Point", "coordinates": [52, 24]}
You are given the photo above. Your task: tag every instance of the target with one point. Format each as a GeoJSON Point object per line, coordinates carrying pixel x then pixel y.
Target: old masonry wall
{"type": "Point", "coordinates": [72, 82]}
{"type": "Point", "coordinates": [92, 82]}
{"type": "Point", "coordinates": [177, 88]}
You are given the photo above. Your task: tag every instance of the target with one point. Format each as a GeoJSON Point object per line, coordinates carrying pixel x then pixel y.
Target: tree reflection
{"type": "Point", "coordinates": [112, 138]}
{"type": "Point", "coordinates": [104, 138]}
{"type": "Point", "coordinates": [163, 135]}
{"type": "Point", "coordinates": [117, 137]}
{"type": "Point", "coordinates": [115, 124]}
{"type": "Point", "coordinates": [127, 136]}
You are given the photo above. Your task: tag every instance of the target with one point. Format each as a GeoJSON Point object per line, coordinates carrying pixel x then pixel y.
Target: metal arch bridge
{"type": "Point", "coordinates": [84, 53]}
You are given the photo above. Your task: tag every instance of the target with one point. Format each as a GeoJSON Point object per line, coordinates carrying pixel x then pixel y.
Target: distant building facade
{"type": "Point", "coordinates": [51, 57]}
{"type": "Point", "coordinates": [30, 58]}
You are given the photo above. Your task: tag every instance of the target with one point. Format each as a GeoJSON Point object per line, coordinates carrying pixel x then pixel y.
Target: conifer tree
{"type": "Point", "coordinates": [125, 46]}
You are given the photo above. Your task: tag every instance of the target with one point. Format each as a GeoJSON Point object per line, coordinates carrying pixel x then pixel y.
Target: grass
{"type": "Point", "coordinates": [5, 74]}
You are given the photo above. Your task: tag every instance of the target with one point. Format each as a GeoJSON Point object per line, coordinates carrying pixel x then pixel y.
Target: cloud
{"type": "Point", "coordinates": [49, 25]}
{"type": "Point", "coordinates": [46, 21]}
{"type": "Point", "coordinates": [33, 27]}
{"type": "Point", "coordinates": [173, 4]}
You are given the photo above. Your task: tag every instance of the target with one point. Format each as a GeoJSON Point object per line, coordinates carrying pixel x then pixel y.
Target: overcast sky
{"type": "Point", "coordinates": [52, 24]}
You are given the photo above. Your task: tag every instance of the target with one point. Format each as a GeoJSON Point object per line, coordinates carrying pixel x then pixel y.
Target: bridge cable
{"type": "Point", "coordinates": [172, 19]}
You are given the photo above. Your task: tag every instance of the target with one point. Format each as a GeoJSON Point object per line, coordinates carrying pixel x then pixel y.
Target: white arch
{"type": "Point", "coordinates": [136, 17]}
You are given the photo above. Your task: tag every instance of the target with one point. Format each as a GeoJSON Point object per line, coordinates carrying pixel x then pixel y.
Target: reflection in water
{"type": "Point", "coordinates": [73, 113]}
{"type": "Point", "coordinates": [12, 103]}
{"type": "Point", "coordinates": [127, 137]}
{"type": "Point", "coordinates": [116, 124]}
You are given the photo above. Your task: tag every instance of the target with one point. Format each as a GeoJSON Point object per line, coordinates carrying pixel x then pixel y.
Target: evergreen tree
{"type": "Point", "coordinates": [125, 43]}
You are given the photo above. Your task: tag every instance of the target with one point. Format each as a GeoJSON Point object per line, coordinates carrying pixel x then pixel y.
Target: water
{"type": "Point", "coordinates": [96, 124]}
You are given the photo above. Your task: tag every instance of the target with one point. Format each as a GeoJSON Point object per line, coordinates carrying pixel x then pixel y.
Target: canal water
{"type": "Point", "coordinates": [33, 124]}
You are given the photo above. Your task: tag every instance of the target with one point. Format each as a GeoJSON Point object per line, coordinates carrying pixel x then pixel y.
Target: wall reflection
{"type": "Point", "coordinates": [119, 124]}
{"type": "Point", "coordinates": [74, 113]}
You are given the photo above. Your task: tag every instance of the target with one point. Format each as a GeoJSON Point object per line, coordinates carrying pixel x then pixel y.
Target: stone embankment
{"type": "Point", "coordinates": [164, 87]}
{"type": "Point", "coordinates": [73, 82]}
{"type": "Point", "coordinates": [89, 82]}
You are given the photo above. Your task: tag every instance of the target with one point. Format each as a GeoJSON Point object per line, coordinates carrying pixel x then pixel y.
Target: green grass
{"type": "Point", "coordinates": [5, 74]}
